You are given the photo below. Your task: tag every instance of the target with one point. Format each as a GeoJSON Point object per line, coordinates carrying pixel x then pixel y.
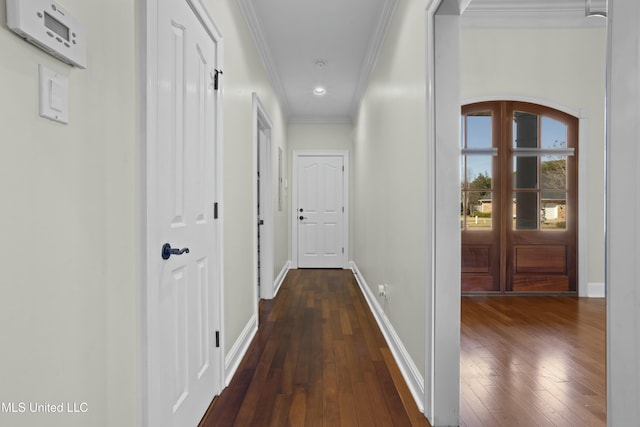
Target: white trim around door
{"type": "Point", "coordinates": [263, 164]}
{"type": "Point", "coordinates": [442, 302]}
{"type": "Point", "coordinates": [297, 155]}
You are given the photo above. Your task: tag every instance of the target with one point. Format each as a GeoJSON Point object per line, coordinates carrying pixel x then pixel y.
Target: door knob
{"type": "Point", "coordinates": [167, 251]}
{"type": "Point", "coordinates": [301, 218]}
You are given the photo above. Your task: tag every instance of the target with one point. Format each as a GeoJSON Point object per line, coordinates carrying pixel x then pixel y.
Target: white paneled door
{"type": "Point", "coordinates": [320, 211]}
{"type": "Point", "coordinates": [184, 361]}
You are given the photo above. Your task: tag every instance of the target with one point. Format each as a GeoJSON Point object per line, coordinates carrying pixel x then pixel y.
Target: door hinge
{"type": "Point", "coordinates": [343, 209]}
{"type": "Point", "coordinates": [215, 210]}
{"type": "Point", "coordinates": [217, 339]}
{"type": "Point", "coordinates": [343, 251]}
{"type": "Point", "coordinates": [216, 78]}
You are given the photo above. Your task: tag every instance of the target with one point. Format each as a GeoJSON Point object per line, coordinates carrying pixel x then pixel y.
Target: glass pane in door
{"type": "Point", "coordinates": [477, 192]}
{"type": "Point", "coordinates": [525, 172]}
{"type": "Point", "coordinates": [525, 130]}
{"type": "Point", "coordinates": [478, 130]}
{"type": "Point", "coordinates": [554, 172]}
{"type": "Point", "coordinates": [479, 208]}
{"type": "Point", "coordinates": [553, 215]}
{"type": "Point", "coordinates": [554, 133]}
{"type": "Point", "coordinates": [553, 196]}
{"type": "Point", "coordinates": [525, 210]}
{"type": "Point", "coordinates": [478, 174]}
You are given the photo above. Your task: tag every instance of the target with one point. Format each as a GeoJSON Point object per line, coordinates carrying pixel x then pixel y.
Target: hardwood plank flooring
{"type": "Point", "coordinates": [318, 359]}
{"type": "Point", "coordinates": [533, 361]}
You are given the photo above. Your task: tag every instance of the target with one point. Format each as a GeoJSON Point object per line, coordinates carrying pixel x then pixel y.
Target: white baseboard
{"type": "Point", "coordinates": [239, 349]}
{"type": "Point", "coordinates": [283, 273]}
{"type": "Point", "coordinates": [595, 290]}
{"type": "Point", "coordinates": [408, 368]}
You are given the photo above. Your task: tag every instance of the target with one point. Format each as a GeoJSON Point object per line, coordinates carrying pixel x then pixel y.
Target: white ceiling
{"type": "Point", "coordinates": [294, 36]}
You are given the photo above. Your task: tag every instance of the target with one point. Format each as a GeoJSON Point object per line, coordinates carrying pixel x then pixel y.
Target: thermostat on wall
{"type": "Point", "coordinates": [47, 25]}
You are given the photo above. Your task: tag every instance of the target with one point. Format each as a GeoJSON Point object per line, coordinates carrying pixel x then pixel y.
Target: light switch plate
{"type": "Point", "coordinates": [54, 95]}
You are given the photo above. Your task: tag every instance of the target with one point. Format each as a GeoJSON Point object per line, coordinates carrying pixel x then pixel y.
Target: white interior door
{"type": "Point", "coordinates": [320, 211]}
{"type": "Point", "coordinates": [184, 362]}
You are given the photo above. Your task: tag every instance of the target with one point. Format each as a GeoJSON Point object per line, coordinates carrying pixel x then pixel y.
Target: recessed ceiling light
{"type": "Point", "coordinates": [319, 91]}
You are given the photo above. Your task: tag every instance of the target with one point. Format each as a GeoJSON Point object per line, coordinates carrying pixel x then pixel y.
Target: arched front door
{"type": "Point", "coordinates": [519, 198]}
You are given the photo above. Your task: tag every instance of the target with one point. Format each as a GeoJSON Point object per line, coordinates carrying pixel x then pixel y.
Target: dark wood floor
{"type": "Point", "coordinates": [318, 359]}
{"type": "Point", "coordinates": [533, 361]}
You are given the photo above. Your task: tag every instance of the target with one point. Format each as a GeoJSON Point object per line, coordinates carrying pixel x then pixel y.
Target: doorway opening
{"type": "Point", "coordinates": [263, 203]}
{"type": "Point", "coordinates": [444, 90]}
{"type": "Point", "coordinates": [262, 183]}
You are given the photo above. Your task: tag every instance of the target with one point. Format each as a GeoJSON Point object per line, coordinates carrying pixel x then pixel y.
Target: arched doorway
{"type": "Point", "coordinates": [518, 198]}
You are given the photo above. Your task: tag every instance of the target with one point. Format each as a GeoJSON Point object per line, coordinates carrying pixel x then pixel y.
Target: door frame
{"type": "Point", "coordinates": [148, 120]}
{"type": "Point", "coordinates": [297, 154]}
{"type": "Point", "coordinates": [261, 122]}
{"type": "Point", "coordinates": [443, 260]}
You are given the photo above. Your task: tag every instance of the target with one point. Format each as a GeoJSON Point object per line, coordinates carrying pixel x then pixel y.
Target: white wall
{"type": "Point", "coordinates": [69, 227]}
{"type": "Point", "coordinates": [320, 137]}
{"type": "Point", "coordinates": [558, 67]}
{"type": "Point", "coordinates": [70, 217]}
{"type": "Point", "coordinates": [244, 74]}
{"type": "Point", "coordinates": [389, 178]}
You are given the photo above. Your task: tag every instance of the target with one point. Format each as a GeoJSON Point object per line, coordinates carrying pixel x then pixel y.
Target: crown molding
{"type": "Point", "coordinates": [541, 19]}
{"type": "Point", "coordinates": [373, 51]}
{"type": "Point", "coordinates": [529, 14]}
{"type": "Point", "coordinates": [250, 16]}
{"type": "Point", "coordinates": [525, 5]}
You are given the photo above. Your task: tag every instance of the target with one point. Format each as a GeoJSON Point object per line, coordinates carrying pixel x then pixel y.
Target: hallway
{"type": "Point", "coordinates": [318, 359]}
{"type": "Point", "coordinates": [81, 268]}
